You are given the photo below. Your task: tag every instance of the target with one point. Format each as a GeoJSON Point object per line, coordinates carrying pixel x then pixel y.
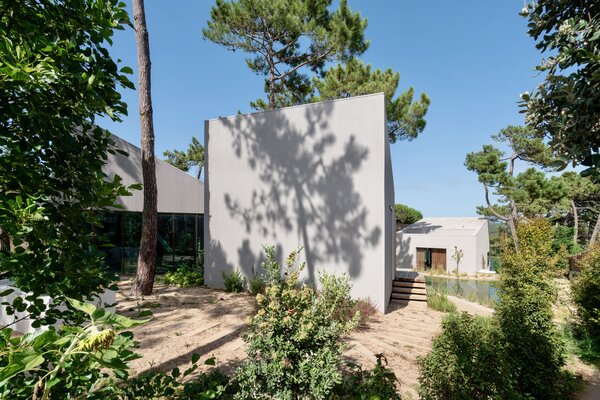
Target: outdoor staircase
{"type": "Point", "coordinates": [405, 290]}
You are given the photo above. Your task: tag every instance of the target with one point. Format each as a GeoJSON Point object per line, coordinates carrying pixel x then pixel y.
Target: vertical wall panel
{"type": "Point", "coordinates": [311, 176]}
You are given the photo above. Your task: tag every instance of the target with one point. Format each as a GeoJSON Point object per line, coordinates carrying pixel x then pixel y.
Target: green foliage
{"type": "Point", "coordinates": [405, 117]}
{"type": "Point", "coordinates": [283, 37]}
{"type": "Point", "coordinates": [73, 362]}
{"type": "Point", "coordinates": [176, 384]}
{"type": "Point", "coordinates": [532, 343]}
{"type": "Point", "coordinates": [193, 157]}
{"type": "Point", "coordinates": [233, 281]}
{"type": "Point", "coordinates": [256, 284]}
{"type": "Point", "coordinates": [564, 108]}
{"type": "Point", "coordinates": [379, 383]}
{"type": "Point", "coordinates": [294, 341]}
{"type": "Point", "coordinates": [438, 301]}
{"type": "Point", "coordinates": [184, 276]}
{"type": "Point", "coordinates": [580, 343]}
{"type": "Point", "coordinates": [520, 346]}
{"type": "Point", "coordinates": [465, 361]}
{"type": "Point", "coordinates": [586, 293]}
{"type": "Point", "coordinates": [57, 77]}
{"type": "Point", "coordinates": [406, 215]}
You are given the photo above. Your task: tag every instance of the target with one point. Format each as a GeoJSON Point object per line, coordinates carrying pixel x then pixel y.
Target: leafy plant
{"type": "Point", "coordinates": [465, 361]}
{"type": "Point", "coordinates": [378, 383]}
{"type": "Point", "coordinates": [256, 284]}
{"type": "Point", "coordinates": [176, 384]}
{"type": "Point", "coordinates": [294, 342]}
{"type": "Point", "coordinates": [72, 362]}
{"type": "Point", "coordinates": [531, 340]}
{"type": "Point", "coordinates": [57, 78]}
{"type": "Point", "coordinates": [183, 276]}
{"type": "Point", "coordinates": [233, 281]}
{"type": "Point", "coordinates": [586, 293]}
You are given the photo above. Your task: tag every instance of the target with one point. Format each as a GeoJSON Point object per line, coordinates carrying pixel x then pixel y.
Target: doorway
{"type": "Point", "coordinates": [428, 258]}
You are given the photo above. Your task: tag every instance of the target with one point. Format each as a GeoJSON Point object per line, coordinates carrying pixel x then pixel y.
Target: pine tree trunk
{"type": "Point", "coordinates": [144, 279]}
{"type": "Point", "coordinates": [575, 222]}
{"type": "Point", "coordinates": [595, 232]}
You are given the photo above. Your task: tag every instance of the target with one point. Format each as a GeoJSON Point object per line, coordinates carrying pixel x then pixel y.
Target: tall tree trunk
{"type": "Point", "coordinates": [575, 222]}
{"type": "Point", "coordinates": [595, 232]}
{"type": "Point", "coordinates": [144, 279]}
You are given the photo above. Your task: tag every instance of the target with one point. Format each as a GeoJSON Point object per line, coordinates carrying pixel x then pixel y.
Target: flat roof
{"type": "Point", "coordinates": [450, 226]}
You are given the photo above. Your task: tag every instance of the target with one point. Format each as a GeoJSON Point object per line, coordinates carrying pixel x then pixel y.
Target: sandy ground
{"type": "Point", "coordinates": [210, 322]}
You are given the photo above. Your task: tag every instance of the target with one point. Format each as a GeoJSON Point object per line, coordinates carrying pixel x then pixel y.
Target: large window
{"type": "Point", "coordinates": [179, 238]}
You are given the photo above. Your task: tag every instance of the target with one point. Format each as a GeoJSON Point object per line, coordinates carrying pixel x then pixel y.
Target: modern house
{"type": "Point", "coordinates": [180, 213]}
{"type": "Point", "coordinates": [431, 243]}
{"type": "Point", "coordinates": [316, 175]}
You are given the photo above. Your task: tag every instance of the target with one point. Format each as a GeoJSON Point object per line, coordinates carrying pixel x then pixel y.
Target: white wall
{"type": "Point", "coordinates": [311, 176]}
{"type": "Point", "coordinates": [483, 247]}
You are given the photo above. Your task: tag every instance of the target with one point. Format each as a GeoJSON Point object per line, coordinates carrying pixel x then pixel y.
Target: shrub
{"type": "Point", "coordinates": [294, 341]}
{"type": "Point", "coordinates": [183, 276]}
{"type": "Point", "coordinates": [365, 308]}
{"type": "Point", "coordinates": [176, 384]}
{"type": "Point", "coordinates": [379, 383]}
{"type": "Point", "coordinates": [256, 284]}
{"type": "Point", "coordinates": [233, 281]}
{"type": "Point", "coordinates": [586, 293]}
{"type": "Point", "coordinates": [465, 361]}
{"type": "Point", "coordinates": [526, 292]}
{"type": "Point", "coordinates": [72, 362]}
{"type": "Point", "coordinates": [438, 301]}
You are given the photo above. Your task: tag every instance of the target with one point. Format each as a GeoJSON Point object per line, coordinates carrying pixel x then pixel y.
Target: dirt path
{"type": "Point", "coordinates": [210, 322]}
{"type": "Point", "coordinates": [592, 390]}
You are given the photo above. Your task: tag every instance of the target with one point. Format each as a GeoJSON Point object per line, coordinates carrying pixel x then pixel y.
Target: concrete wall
{"type": "Point", "coordinates": [178, 192]}
{"type": "Point", "coordinates": [483, 247]}
{"type": "Point", "coordinates": [312, 176]}
{"type": "Point", "coordinates": [473, 247]}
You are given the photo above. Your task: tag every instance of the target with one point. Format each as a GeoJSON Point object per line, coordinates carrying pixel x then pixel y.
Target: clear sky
{"type": "Point", "coordinates": [473, 59]}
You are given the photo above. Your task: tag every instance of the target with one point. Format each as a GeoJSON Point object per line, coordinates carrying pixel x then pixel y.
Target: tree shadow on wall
{"type": "Point", "coordinates": [305, 189]}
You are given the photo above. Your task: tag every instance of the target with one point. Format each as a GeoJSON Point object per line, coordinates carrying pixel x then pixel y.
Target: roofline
{"type": "Point", "coordinates": [158, 159]}
{"type": "Point", "coordinates": [295, 106]}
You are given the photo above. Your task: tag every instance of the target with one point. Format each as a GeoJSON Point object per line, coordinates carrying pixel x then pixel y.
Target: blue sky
{"type": "Point", "coordinates": [472, 58]}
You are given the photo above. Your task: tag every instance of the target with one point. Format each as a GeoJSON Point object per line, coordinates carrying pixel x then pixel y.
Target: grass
{"type": "Point", "coordinates": [578, 343]}
{"type": "Point", "coordinates": [439, 301]}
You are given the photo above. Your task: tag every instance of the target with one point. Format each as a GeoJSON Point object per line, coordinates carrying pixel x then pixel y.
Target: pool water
{"type": "Point", "coordinates": [479, 291]}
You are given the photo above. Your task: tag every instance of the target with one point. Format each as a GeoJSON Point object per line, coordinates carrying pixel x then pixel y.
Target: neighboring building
{"type": "Point", "coordinates": [431, 243]}
{"type": "Point", "coordinates": [317, 176]}
{"type": "Point", "coordinates": [180, 213]}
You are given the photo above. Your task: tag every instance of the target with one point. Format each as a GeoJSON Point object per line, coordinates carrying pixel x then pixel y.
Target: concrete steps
{"type": "Point", "coordinates": [405, 290]}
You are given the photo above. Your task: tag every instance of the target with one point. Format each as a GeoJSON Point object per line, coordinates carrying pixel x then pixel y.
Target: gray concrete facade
{"type": "Point", "coordinates": [317, 176]}
{"type": "Point", "coordinates": [178, 192]}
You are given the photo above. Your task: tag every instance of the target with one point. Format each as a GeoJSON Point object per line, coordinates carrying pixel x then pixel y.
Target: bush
{"type": "Point", "coordinates": [438, 301]}
{"type": "Point", "coordinates": [256, 284]}
{"type": "Point", "coordinates": [379, 383]}
{"type": "Point", "coordinates": [465, 361]}
{"type": "Point", "coordinates": [586, 293]}
{"type": "Point", "coordinates": [519, 354]}
{"type": "Point", "coordinates": [531, 340]}
{"type": "Point", "coordinates": [176, 384]}
{"type": "Point", "coordinates": [183, 276]}
{"type": "Point", "coordinates": [365, 308]}
{"type": "Point", "coordinates": [233, 281]}
{"type": "Point", "coordinates": [294, 342]}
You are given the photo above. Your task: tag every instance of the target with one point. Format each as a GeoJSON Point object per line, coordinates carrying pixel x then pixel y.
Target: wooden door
{"type": "Point", "coordinates": [438, 259]}
{"type": "Point", "coordinates": [420, 259]}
